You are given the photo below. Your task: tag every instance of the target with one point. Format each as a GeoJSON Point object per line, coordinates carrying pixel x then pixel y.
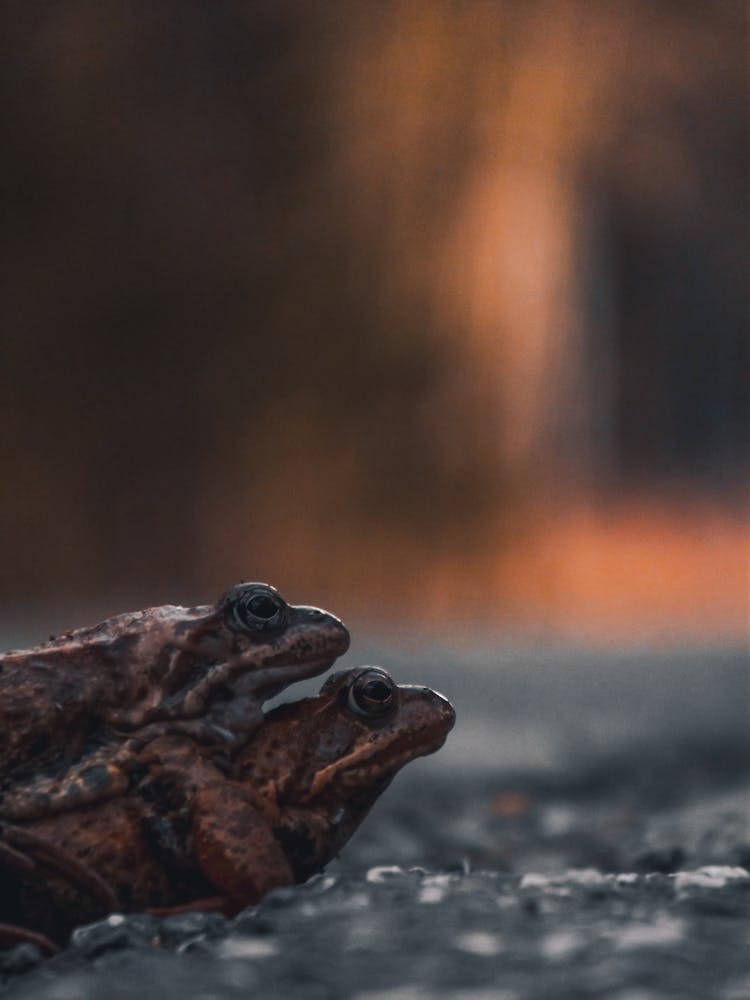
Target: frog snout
{"type": "Point", "coordinates": [336, 633]}
{"type": "Point", "coordinates": [341, 632]}
{"type": "Point", "coordinates": [433, 707]}
{"type": "Point", "coordinates": [440, 709]}
{"type": "Point", "coordinates": [445, 709]}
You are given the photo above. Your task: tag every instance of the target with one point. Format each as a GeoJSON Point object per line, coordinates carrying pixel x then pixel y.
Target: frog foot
{"type": "Point", "coordinates": [25, 853]}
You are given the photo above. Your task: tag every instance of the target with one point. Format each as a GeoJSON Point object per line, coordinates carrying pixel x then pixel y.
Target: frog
{"type": "Point", "coordinates": [192, 834]}
{"type": "Point", "coordinates": [76, 711]}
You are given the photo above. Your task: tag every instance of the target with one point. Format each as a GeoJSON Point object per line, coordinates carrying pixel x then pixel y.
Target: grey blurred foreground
{"type": "Point", "coordinates": [584, 833]}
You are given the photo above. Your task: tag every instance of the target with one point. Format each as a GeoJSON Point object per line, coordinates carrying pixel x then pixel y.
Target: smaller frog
{"type": "Point", "coordinates": [188, 837]}
{"type": "Point", "coordinates": [76, 711]}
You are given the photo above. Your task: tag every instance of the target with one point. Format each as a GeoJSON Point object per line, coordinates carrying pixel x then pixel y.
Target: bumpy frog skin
{"type": "Point", "coordinates": [188, 837]}
{"type": "Point", "coordinates": [94, 696]}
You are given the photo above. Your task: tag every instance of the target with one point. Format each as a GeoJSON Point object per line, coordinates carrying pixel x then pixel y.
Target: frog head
{"type": "Point", "coordinates": [322, 762]}
{"type": "Point", "coordinates": [222, 661]}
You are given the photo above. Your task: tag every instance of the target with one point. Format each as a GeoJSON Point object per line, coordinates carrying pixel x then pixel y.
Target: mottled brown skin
{"type": "Point", "coordinates": [76, 711]}
{"type": "Point", "coordinates": [188, 836]}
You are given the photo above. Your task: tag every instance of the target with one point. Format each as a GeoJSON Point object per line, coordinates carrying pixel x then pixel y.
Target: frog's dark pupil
{"type": "Point", "coordinates": [262, 606]}
{"type": "Point", "coordinates": [373, 695]}
{"type": "Point", "coordinates": [377, 690]}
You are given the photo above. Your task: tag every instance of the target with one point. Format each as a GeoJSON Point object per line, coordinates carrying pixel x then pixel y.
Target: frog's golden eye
{"type": "Point", "coordinates": [255, 608]}
{"type": "Point", "coordinates": [372, 693]}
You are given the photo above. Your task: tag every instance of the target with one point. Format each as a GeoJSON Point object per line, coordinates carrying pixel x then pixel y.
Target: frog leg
{"type": "Point", "coordinates": [186, 703]}
{"type": "Point", "coordinates": [235, 845]}
{"type": "Point", "coordinates": [238, 716]}
{"type": "Point", "coordinates": [103, 774]}
{"type": "Point", "coordinates": [24, 852]}
{"type": "Point", "coordinates": [203, 731]}
{"type": "Point", "coordinates": [16, 861]}
{"type": "Point", "coordinates": [208, 904]}
{"type": "Point", "coordinates": [240, 669]}
{"type": "Point", "coordinates": [12, 934]}
{"type": "Point", "coordinates": [231, 831]}
{"type": "Point", "coordinates": [27, 855]}
{"type": "Point", "coordinates": [99, 776]}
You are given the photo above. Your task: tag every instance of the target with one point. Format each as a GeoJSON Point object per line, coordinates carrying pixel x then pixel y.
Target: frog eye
{"type": "Point", "coordinates": [372, 693]}
{"type": "Point", "coordinates": [255, 608]}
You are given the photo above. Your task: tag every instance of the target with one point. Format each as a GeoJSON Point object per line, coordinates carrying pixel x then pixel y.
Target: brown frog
{"type": "Point", "coordinates": [75, 712]}
{"type": "Point", "coordinates": [188, 837]}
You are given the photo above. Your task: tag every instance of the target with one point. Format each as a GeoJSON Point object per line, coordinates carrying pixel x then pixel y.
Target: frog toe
{"type": "Point", "coordinates": [29, 854]}
{"type": "Point", "coordinates": [13, 934]}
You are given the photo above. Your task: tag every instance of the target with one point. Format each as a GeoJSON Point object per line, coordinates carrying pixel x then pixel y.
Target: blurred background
{"type": "Point", "coordinates": [432, 313]}
{"type": "Point", "coordinates": [429, 312]}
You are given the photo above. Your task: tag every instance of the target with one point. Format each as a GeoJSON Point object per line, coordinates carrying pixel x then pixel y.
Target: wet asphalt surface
{"type": "Point", "coordinates": [584, 833]}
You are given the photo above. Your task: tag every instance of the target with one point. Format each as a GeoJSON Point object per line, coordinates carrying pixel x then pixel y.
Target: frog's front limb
{"type": "Point", "coordinates": [103, 774]}
{"type": "Point", "coordinates": [191, 700]}
{"type": "Point", "coordinates": [235, 844]}
{"type": "Point", "coordinates": [99, 776]}
{"type": "Point", "coordinates": [250, 686]}
{"type": "Point", "coordinates": [232, 837]}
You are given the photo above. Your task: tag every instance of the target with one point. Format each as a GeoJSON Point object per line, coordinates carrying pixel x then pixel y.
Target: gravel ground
{"type": "Point", "coordinates": [584, 833]}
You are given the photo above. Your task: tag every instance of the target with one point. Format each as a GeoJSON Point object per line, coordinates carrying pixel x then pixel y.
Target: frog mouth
{"type": "Point", "coordinates": [294, 656]}
{"type": "Point", "coordinates": [387, 752]}
{"type": "Point", "coordinates": [368, 765]}
{"type": "Point", "coordinates": [269, 681]}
